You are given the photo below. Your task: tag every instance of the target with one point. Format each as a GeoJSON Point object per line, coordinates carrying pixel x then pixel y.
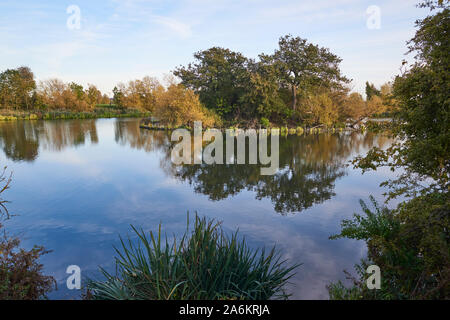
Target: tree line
{"type": "Point", "coordinates": [173, 103]}
{"type": "Point", "coordinates": [299, 84]}
{"type": "Point", "coordinates": [19, 91]}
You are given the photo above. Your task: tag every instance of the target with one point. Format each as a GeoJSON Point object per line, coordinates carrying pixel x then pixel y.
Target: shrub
{"type": "Point", "coordinates": [203, 265]}
{"type": "Point", "coordinates": [410, 245]}
{"type": "Point", "coordinates": [265, 123]}
{"type": "Point", "coordinates": [21, 275]}
{"type": "Point", "coordinates": [179, 106]}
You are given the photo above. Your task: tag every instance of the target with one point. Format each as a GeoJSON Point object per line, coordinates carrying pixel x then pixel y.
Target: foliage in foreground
{"type": "Point", "coordinates": [21, 275]}
{"type": "Point", "coordinates": [205, 264]}
{"type": "Point", "coordinates": [410, 244]}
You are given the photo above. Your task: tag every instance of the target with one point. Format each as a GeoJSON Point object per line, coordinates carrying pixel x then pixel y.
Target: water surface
{"type": "Point", "coordinates": [78, 184]}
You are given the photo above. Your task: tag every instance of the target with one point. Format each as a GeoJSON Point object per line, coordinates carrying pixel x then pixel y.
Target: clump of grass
{"type": "Point", "coordinates": [203, 264]}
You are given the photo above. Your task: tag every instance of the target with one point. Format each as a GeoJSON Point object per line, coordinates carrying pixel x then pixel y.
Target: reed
{"type": "Point", "coordinates": [203, 264]}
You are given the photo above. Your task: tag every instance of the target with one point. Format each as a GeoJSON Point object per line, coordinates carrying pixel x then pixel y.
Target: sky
{"type": "Point", "coordinates": [117, 41]}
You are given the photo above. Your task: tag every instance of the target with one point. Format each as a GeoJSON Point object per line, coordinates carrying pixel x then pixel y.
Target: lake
{"type": "Point", "coordinates": [78, 184]}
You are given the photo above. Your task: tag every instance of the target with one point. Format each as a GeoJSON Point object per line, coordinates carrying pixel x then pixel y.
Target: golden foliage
{"type": "Point", "coordinates": [320, 109]}
{"type": "Point", "coordinates": [140, 94]}
{"type": "Point", "coordinates": [179, 106]}
{"type": "Point", "coordinates": [56, 94]}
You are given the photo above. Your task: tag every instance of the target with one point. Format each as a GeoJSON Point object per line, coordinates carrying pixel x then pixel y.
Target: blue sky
{"type": "Point", "coordinates": [124, 40]}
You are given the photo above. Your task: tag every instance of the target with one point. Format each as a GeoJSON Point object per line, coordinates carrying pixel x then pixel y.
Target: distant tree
{"type": "Point", "coordinates": [371, 91]}
{"type": "Point", "coordinates": [181, 106]}
{"type": "Point", "coordinates": [262, 95]}
{"type": "Point", "coordinates": [375, 105]}
{"type": "Point", "coordinates": [141, 94]}
{"type": "Point", "coordinates": [353, 107]}
{"type": "Point", "coordinates": [16, 88]}
{"type": "Point", "coordinates": [118, 96]}
{"type": "Point", "coordinates": [219, 77]}
{"type": "Point", "coordinates": [93, 96]}
{"type": "Point", "coordinates": [319, 109]}
{"type": "Point", "coordinates": [57, 95]}
{"type": "Point", "coordinates": [77, 90]}
{"type": "Point", "coordinates": [105, 99]}
{"type": "Point", "coordinates": [301, 64]}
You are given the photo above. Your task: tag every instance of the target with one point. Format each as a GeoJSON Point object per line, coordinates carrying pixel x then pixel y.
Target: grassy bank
{"type": "Point", "coordinates": [98, 112]}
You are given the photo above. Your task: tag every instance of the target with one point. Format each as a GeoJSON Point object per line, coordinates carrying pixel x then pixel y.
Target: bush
{"type": "Point", "coordinates": [21, 275]}
{"type": "Point", "coordinates": [265, 123]}
{"type": "Point", "coordinates": [410, 245]}
{"type": "Point", "coordinates": [179, 106]}
{"type": "Point", "coordinates": [203, 265]}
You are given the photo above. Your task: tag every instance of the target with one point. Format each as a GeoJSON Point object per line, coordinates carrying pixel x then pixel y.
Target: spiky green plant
{"type": "Point", "coordinates": [203, 264]}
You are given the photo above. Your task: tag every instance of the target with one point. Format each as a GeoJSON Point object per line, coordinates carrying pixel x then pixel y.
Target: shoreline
{"type": "Point", "coordinates": [62, 115]}
{"type": "Point", "coordinates": [283, 131]}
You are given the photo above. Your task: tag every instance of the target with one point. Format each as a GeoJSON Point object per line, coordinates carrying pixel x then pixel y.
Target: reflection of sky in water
{"type": "Point", "coordinates": [76, 199]}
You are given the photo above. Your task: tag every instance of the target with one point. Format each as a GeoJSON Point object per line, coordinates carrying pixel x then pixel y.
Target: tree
{"type": "Point", "coordinates": [375, 105]}
{"type": "Point", "coordinates": [77, 90]}
{"type": "Point", "coordinates": [141, 94]}
{"type": "Point", "coordinates": [16, 88]}
{"type": "Point", "coordinates": [423, 96]}
{"type": "Point", "coordinates": [93, 96]}
{"type": "Point", "coordinates": [411, 243]}
{"type": "Point", "coordinates": [181, 106]}
{"type": "Point", "coordinates": [58, 95]}
{"type": "Point", "coordinates": [371, 91]}
{"type": "Point", "coordinates": [263, 96]}
{"type": "Point", "coordinates": [319, 109]}
{"type": "Point", "coordinates": [52, 91]}
{"type": "Point", "coordinates": [304, 65]}
{"type": "Point", "coordinates": [118, 96]}
{"type": "Point", "coordinates": [353, 107]}
{"type": "Point", "coordinates": [219, 77]}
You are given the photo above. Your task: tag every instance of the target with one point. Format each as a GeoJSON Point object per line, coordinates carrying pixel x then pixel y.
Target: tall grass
{"type": "Point", "coordinates": [203, 264]}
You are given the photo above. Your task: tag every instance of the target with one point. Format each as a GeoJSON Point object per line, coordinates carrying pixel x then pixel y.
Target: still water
{"type": "Point", "coordinates": [78, 184]}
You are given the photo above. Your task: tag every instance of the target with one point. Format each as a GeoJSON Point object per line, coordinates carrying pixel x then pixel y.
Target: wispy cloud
{"type": "Point", "coordinates": [121, 39]}
{"type": "Point", "coordinates": [180, 28]}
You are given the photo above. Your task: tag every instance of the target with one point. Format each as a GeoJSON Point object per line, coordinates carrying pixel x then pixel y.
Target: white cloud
{"type": "Point", "coordinates": [181, 29]}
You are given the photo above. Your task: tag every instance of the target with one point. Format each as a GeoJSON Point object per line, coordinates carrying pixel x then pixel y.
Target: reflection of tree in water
{"type": "Point", "coordinates": [57, 135]}
{"type": "Point", "coordinates": [128, 132]}
{"type": "Point", "coordinates": [309, 168]}
{"type": "Point", "coordinates": [20, 140]}
{"type": "Point", "coordinates": [309, 165]}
